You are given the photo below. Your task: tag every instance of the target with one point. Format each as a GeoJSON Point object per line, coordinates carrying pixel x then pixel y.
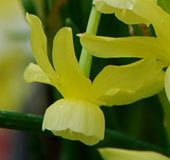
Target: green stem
{"type": "Point", "coordinates": [163, 98]}
{"type": "Point", "coordinates": [117, 139]}
{"type": "Point", "coordinates": [21, 121]}
{"type": "Point", "coordinates": [166, 108]}
{"type": "Point", "coordinates": [33, 123]}
{"type": "Point", "coordinates": [92, 26]}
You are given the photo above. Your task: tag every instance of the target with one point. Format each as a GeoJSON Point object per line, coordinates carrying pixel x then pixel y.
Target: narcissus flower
{"type": "Point", "coordinates": [124, 154]}
{"type": "Point", "coordinates": [77, 116]}
{"type": "Point", "coordinates": [122, 9]}
{"type": "Point", "coordinates": [131, 12]}
{"type": "Point", "coordinates": [13, 55]}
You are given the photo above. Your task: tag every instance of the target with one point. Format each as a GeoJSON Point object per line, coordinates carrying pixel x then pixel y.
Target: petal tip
{"type": "Point", "coordinates": [79, 35]}
{"type": "Point", "coordinates": [28, 16]}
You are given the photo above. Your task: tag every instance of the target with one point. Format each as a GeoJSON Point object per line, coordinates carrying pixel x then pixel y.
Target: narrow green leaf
{"type": "Point", "coordinates": [33, 123]}
{"type": "Point", "coordinates": [119, 140]}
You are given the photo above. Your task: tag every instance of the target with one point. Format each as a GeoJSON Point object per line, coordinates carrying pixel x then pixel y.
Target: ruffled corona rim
{"type": "Point", "coordinates": [75, 120]}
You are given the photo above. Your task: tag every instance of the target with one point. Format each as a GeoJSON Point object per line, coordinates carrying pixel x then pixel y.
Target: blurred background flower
{"type": "Point", "coordinates": [14, 49]}
{"type": "Point", "coordinates": [14, 55]}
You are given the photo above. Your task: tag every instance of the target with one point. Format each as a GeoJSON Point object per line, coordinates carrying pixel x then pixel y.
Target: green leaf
{"type": "Point", "coordinates": [119, 140]}
{"type": "Point", "coordinates": [33, 123]}
{"type": "Point", "coordinates": [165, 4]}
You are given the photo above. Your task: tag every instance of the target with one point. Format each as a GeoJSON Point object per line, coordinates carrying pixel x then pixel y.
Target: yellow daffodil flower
{"type": "Point", "coordinates": [124, 154]}
{"type": "Point", "coordinates": [13, 55]}
{"type": "Point", "coordinates": [122, 10]}
{"type": "Point", "coordinates": [13, 89]}
{"type": "Point", "coordinates": [77, 116]}
{"type": "Point", "coordinates": [131, 12]}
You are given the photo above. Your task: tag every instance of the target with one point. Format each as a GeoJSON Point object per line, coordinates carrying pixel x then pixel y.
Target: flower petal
{"type": "Point", "coordinates": [122, 9]}
{"type": "Point", "coordinates": [146, 9]}
{"type": "Point", "coordinates": [117, 85]}
{"type": "Point", "coordinates": [75, 120]}
{"type": "Point", "coordinates": [122, 154]}
{"type": "Point", "coordinates": [39, 47]}
{"type": "Point", "coordinates": [107, 47]}
{"type": "Point", "coordinates": [129, 17]}
{"type": "Point", "coordinates": [156, 16]}
{"type": "Point", "coordinates": [66, 65]}
{"type": "Point", "coordinates": [33, 73]}
{"type": "Point", "coordinates": [121, 4]}
{"type": "Point", "coordinates": [167, 83]}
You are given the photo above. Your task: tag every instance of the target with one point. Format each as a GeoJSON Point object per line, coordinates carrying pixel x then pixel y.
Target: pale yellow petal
{"type": "Point", "coordinates": [107, 47]}
{"type": "Point", "coordinates": [146, 9]}
{"type": "Point", "coordinates": [124, 154]}
{"type": "Point", "coordinates": [156, 16]}
{"type": "Point", "coordinates": [39, 47]}
{"type": "Point", "coordinates": [167, 83]}
{"type": "Point", "coordinates": [122, 9]}
{"type": "Point", "coordinates": [33, 73]}
{"type": "Point", "coordinates": [121, 4]}
{"type": "Point", "coordinates": [117, 85]}
{"type": "Point", "coordinates": [103, 7]}
{"type": "Point", "coordinates": [73, 80]}
{"type": "Point", "coordinates": [75, 120]}
{"type": "Point", "coordinates": [129, 17]}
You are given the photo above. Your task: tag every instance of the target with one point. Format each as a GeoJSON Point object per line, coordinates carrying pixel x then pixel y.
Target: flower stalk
{"type": "Point", "coordinates": [166, 108]}
{"type": "Point", "coordinates": [33, 123]}
{"type": "Point", "coordinates": [92, 27]}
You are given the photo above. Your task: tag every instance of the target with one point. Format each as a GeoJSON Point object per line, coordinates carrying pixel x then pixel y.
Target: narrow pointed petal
{"type": "Point", "coordinates": [39, 46]}
{"type": "Point", "coordinates": [66, 65]}
{"type": "Point", "coordinates": [167, 83]}
{"type": "Point", "coordinates": [117, 85]}
{"type": "Point", "coordinates": [107, 47]}
{"type": "Point", "coordinates": [122, 154]}
{"type": "Point", "coordinates": [157, 17]}
{"type": "Point", "coordinates": [75, 120]}
{"type": "Point", "coordinates": [146, 9]}
{"type": "Point", "coordinates": [33, 73]}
